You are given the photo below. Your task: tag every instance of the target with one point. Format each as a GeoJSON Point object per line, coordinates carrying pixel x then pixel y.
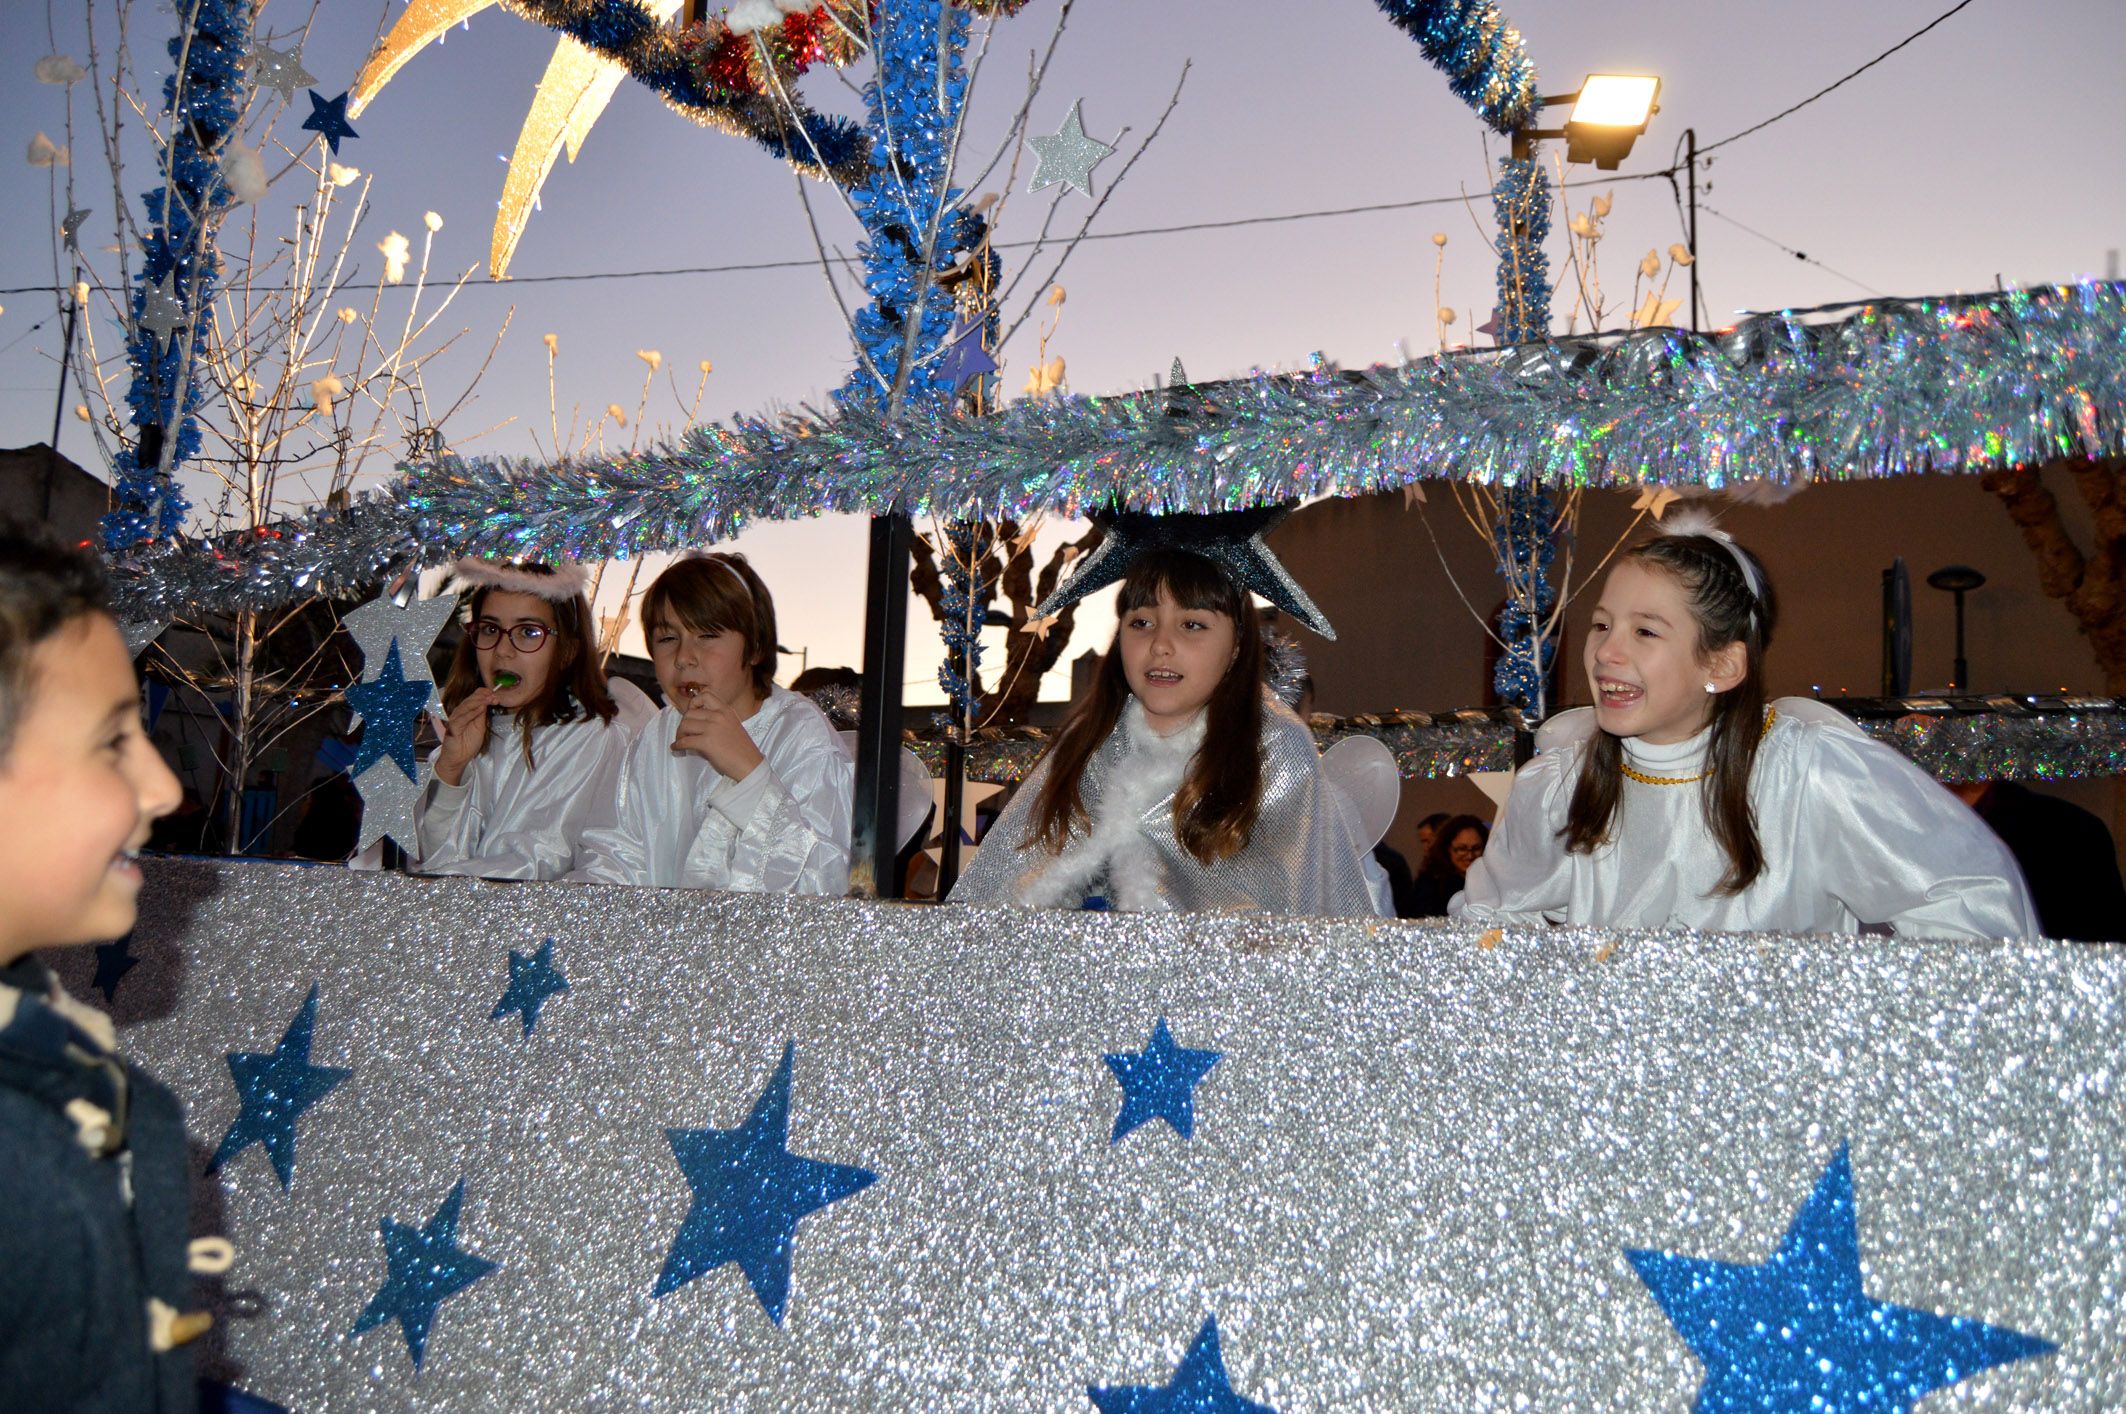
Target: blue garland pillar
{"type": "Point", "coordinates": [1524, 537]}
{"type": "Point", "coordinates": [204, 99]}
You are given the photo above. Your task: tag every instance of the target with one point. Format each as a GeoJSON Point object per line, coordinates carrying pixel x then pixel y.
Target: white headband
{"type": "Point", "coordinates": [1699, 522]}
{"type": "Point", "coordinates": [564, 581]}
{"type": "Point", "coordinates": [715, 559]}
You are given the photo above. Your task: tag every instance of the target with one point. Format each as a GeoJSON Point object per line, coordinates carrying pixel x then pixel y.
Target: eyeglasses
{"type": "Point", "coordinates": [1466, 851]}
{"type": "Point", "coordinates": [527, 638]}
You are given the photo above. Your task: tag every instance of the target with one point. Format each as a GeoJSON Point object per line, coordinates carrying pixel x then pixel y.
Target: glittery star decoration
{"type": "Point", "coordinates": [282, 71]}
{"type": "Point", "coordinates": [1159, 1082]}
{"type": "Point", "coordinates": [750, 1192]}
{"type": "Point", "coordinates": [387, 706]}
{"type": "Point", "coordinates": [1200, 1386]}
{"type": "Point", "coordinates": [70, 227]}
{"type": "Point", "coordinates": [139, 633]}
{"type": "Point", "coordinates": [1231, 538]}
{"type": "Point", "coordinates": [1655, 501]}
{"type": "Point", "coordinates": [273, 1090]}
{"type": "Point", "coordinates": [1797, 1332]}
{"type": "Point", "coordinates": [1490, 327]}
{"type": "Point", "coordinates": [376, 625]}
{"type": "Point", "coordinates": [113, 962]}
{"type": "Point", "coordinates": [388, 802]}
{"type": "Point", "coordinates": [1069, 156]}
{"type": "Point", "coordinates": [424, 1267]}
{"type": "Point", "coordinates": [964, 356]}
{"type": "Point", "coordinates": [532, 979]}
{"type": "Point", "coordinates": [161, 311]}
{"type": "Point", "coordinates": [328, 119]}
{"type": "Point", "coordinates": [1656, 311]}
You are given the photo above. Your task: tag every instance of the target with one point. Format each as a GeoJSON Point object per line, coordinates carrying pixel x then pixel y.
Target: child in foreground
{"type": "Point", "coordinates": [1179, 783]}
{"type": "Point", "coordinates": [1690, 801]}
{"type": "Point", "coordinates": [513, 804]}
{"type": "Point", "coordinates": [738, 783]}
{"type": "Point", "coordinates": [94, 1181]}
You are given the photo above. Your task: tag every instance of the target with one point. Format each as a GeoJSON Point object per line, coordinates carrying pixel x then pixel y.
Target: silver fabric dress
{"type": "Point", "coordinates": [1853, 834]}
{"type": "Point", "coordinates": [678, 822]}
{"type": "Point", "coordinates": [1300, 860]}
{"type": "Point", "coordinates": [507, 820]}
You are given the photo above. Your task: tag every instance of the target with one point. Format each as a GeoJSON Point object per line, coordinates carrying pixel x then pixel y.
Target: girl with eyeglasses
{"type": "Point", "coordinates": [514, 804]}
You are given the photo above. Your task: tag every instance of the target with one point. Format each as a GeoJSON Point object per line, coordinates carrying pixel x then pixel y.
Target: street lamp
{"type": "Point", "coordinates": [1958, 580]}
{"type": "Point", "coordinates": [1608, 114]}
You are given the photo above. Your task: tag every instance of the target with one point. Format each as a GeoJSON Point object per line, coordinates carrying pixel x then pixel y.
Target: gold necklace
{"type": "Point", "coordinates": [1770, 716]}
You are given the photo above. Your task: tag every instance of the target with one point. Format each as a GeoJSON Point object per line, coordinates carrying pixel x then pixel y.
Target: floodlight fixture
{"type": "Point", "coordinates": [1608, 113]}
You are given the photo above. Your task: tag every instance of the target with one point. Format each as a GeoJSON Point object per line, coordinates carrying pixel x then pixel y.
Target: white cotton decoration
{"type": "Point", "coordinates": [749, 15]}
{"type": "Point", "coordinates": [245, 172]}
{"type": "Point", "coordinates": [59, 69]}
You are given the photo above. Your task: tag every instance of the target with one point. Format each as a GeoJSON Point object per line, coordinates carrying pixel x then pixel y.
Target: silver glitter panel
{"type": "Point", "coordinates": [1414, 1174]}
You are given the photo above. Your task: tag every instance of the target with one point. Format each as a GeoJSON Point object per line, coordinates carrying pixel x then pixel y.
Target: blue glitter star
{"type": "Point", "coordinates": [328, 119]}
{"type": "Point", "coordinates": [532, 979]}
{"type": "Point", "coordinates": [1159, 1082]}
{"type": "Point", "coordinates": [1796, 1331]}
{"type": "Point", "coordinates": [390, 706]}
{"type": "Point", "coordinates": [749, 1193]}
{"type": "Point", "coordinates": [424, 1267]}
{"type": "Point", "coordinates": [964, 355]}
{"type": "Point", "coordinates": [1200, 1386]}
{"type": "Point", "coordinates": [113, 962]}
{"type": "Point", "coordinates": [274, 1090]}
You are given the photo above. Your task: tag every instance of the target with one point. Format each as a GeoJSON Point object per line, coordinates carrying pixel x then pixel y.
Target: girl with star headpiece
{"type": "Point", "coordinates": [1683, 798]}
{"type": "Point", "coordinates": [1180, 782]}
{"type": "Point", "coordinates": [738, 783]}
{"type": "Point", "coordinates": [513, 804]}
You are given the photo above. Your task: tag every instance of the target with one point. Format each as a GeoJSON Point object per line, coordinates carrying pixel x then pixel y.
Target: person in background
{"type": "Point", "coordinates": [1457, 843]}
{"type": "Point", "coordinates": [1427, 830]}
{"type": "Point", "coordinates": [95, 1185]}
{"type": "Point", "coordinates": [2067, 855]}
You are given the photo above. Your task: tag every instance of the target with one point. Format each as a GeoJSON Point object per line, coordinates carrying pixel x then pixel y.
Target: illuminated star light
{"type": "Point", "coordinates": [1797, 1332]}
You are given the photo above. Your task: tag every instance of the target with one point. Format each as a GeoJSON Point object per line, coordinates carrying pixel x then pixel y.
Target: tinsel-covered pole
{"type": "Point", "coordinates": [204, 98]}
{"type": "Point", "coordinates": [1524, 539]}
{"type": "Point", "coordinates": [914, 233]}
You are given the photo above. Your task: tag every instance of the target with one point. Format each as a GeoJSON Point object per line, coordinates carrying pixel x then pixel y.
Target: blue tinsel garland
{"type": "Point", "coordinates": [963, 601]}
{"type": "Point", "coordinates": [203, 97]}
{"type": "Point", "coordinates": [1486, 64]}
{"type": "Point", "coordinates": [1525, 540]}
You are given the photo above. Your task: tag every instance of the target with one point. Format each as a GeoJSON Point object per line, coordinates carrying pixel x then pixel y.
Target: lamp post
{"type": "Point", "coordinates": [1958, 580]}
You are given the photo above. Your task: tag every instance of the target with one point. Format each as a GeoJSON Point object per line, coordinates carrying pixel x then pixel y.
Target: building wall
{"type": "Point", "coordinates": [77, 499]}
{"type": "Point", "coordinates": [1405, 639]}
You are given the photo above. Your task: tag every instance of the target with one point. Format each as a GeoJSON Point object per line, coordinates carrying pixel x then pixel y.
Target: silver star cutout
{"type": "Point", "coordinates": [161, 310]}
{"type": "Point", "coordinates": [139, 633]}
{"type": "Point", "coordinates": [388, 799]}
{"type": "Point", "coordinates": [1230, 539]}
{"type": "Point", "coordinates": [378, 622]}
{"type": "Point", "coordinates": [279, 69]}
{"type": "Point", "coordinates": [1068, 157]}
{"type": "Point", "coordinates": [70, 228]}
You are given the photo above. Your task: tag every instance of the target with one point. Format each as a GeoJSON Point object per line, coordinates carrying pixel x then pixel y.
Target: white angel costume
{"type": "Point", "coordinates": [1300, 858]}
{"type": "Point", "coordinates": [1853, 834]}
{"type": "Point", "coordinates": [509, 820]}
{"type": "Point", "coordinates": [679, 822]}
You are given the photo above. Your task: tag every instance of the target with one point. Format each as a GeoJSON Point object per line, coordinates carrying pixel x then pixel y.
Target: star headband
{"type": "Point", "coordinates": [559, 584]}
{"type": "Point", "coordinates": [1230, 539]}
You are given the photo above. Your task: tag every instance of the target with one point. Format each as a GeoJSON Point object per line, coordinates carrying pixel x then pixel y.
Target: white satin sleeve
{"type": "Point", "coordinates": [1524, 875]}
{"type": "Point", "coordinates": [616, 850]}
{"type": "Point", "coordinates": [784, 829]}
{"type": "Point", "coordinates": [510, 821]}
{"type": "Point", "coordinates": [1895, 847]}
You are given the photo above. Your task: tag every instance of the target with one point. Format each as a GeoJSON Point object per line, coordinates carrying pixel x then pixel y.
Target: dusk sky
{"type": "Point", "coordinates": [1972, 156]}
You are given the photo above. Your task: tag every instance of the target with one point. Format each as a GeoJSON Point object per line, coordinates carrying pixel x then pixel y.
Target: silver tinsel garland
{"type": "Point", "coordinates": [1896, 388]}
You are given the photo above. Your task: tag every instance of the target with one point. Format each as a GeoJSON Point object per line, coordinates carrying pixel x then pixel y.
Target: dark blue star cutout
{"type": "Point", "coordinates": [424, 1267]}
{"type": "Point", "coordinates": [749, 1193]}
{"type": "Point", "coordinates": [113, 962]}
{"type": "Point", "coordinates": [328, 118]}
{"type": "Point", "coordinates": [1159, 1082]}
{"type": "Point", "coordinates": [964, 355]}
{"type": "Point", "coordinates": [1796, 1331]}
{"type": "Point", "coordinates": [1200, 1386]}
{"type": "Point", "coordinates": [390, 706]}
{"type": "Point", "coordinates": [532, 979]}
{"type": "Point", "coordinates": [274, 1090]}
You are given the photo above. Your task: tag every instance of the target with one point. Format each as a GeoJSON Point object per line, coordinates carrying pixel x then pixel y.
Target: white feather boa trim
{"type": "Point", "coordinates": [566, 582]}
{"type": "Point", "coordinates": [1149, 771]}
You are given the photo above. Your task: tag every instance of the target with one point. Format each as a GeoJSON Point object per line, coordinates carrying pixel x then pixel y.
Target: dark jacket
{"type": "Point", "coordinates": [2067, 858]}
{"type": "Point", "coordinates": [94, 1213]}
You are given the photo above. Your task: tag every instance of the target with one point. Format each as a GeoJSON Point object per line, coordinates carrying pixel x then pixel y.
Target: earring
{"type": "Point", "coordinates": [1711, 688]}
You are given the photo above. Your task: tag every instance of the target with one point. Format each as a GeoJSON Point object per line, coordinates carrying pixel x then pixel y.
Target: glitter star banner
{"type": "Point", "coordinates": [820, 1155]}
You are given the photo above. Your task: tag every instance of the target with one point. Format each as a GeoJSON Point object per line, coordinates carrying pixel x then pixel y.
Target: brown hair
{"type": "Point", "coordinates": [44, 586]}
{"type": "Point", "coordinates": [718, 593]}
{"type": "Point", "coordinates": [1440, 858]}
{"type": "Point", "coordinates": [1221, 796]}
{"type": "Point", "coordinates": [574, 687]}
{"type": "Point", "coordinates": [1728, 612]}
